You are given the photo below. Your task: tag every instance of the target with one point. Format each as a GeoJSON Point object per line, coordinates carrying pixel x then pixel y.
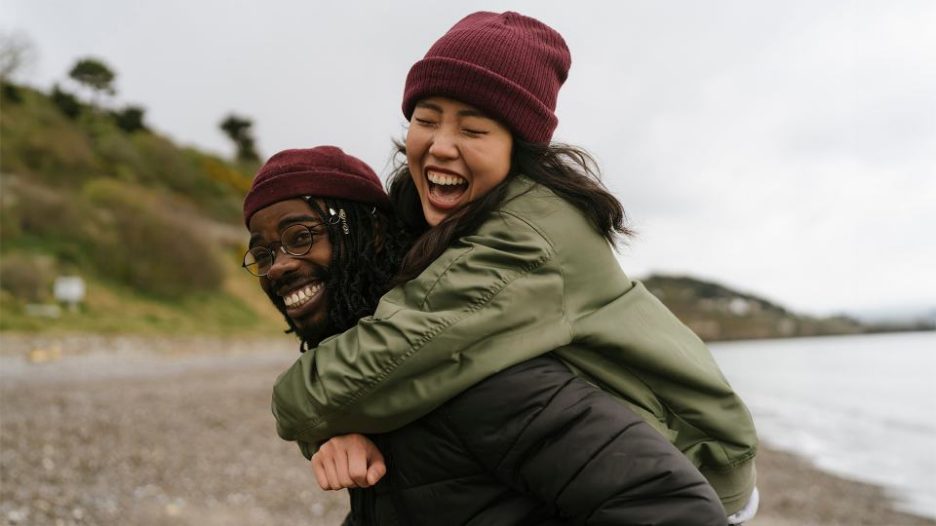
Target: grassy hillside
{"type": "Point", "coordinates": [153, 228]}
{"type": "Point", "coordinates": [715, 312]}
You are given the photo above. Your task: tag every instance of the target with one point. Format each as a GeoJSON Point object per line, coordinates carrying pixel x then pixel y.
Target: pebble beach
{"type": "Point", "coordinates": [153, 431]}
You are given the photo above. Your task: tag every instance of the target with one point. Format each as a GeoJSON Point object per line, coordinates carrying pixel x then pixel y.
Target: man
{"type": "Point", "coordinates": [324, 288]}
{"type": "Point", "coordinates": [533, 444]}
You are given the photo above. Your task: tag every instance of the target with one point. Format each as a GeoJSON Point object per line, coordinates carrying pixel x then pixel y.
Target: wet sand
{"type": "Point", "coordinates": [178, 431]}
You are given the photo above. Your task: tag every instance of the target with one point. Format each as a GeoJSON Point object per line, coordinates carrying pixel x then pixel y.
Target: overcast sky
{"type": "Point", "coordinates": [784, 148]}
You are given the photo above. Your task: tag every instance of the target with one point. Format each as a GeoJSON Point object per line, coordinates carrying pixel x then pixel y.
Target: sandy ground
{"type": "Point", "coordinates": [179, 432]}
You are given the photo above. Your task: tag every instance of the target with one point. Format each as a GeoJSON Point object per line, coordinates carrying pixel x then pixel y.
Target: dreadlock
{"type": "Point", "coordinates": [368, 246]}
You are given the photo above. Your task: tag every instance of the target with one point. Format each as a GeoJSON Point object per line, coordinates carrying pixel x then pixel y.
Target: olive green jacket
{"type": "Point", "coordinates": [535, 278]}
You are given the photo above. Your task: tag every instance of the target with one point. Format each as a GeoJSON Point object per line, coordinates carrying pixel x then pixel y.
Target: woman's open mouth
{"type": "Point", "coordinates": [445, 188]}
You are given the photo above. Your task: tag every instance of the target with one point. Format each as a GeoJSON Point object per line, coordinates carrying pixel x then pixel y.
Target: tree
{"type": "Point", "coordinates": [238, 130]}
{"type": "Point", "coordinates": [16, 52]}
{"type": "Point", "coordinates": [95, 75]}
{"type": "Point", "coordinates": [130, 119]}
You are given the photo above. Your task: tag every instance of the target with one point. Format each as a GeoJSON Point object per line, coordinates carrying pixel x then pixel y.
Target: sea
{"type": "Point", "coordinates": [861, 407]}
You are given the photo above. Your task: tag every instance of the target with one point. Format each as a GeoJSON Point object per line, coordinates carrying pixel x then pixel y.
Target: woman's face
{"type": "Point", "coordinates": [455, 153]}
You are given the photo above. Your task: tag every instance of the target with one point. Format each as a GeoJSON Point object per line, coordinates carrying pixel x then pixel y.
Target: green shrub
{"type": "Point", "coordinates": [130, 119]}
{"type": "Point", "coordinates": [27, 277]}
{"type": "Point", "coordinates": [223, 173]}
{"type": "Point", "coordinates": [11, 93]}
{"type": "Point", "coordinates": [150, 250]}
{"type": "Point", "coordinates": [162, 161]}
{"type": "Point", "coordinates": [58, 223]}
{"type": "Point", "coordinates": [39, 140]}
{"type": "Point", "coordinates": [67, 103]}
{"type": "Point", "coordinates": [61, 155]}
{"type": "Point", "coordinates": [121, 158]}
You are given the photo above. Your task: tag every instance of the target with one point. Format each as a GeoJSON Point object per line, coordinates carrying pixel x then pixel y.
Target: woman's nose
{"type": "Point", "coordinates": [444, 145]}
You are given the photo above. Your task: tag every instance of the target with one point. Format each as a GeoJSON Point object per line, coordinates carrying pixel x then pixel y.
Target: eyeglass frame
{"type": "Point", "coordinates": [333, 219]}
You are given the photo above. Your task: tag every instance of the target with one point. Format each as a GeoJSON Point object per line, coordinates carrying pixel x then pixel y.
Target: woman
{"type": "Point", "coordinates": [513, 262]}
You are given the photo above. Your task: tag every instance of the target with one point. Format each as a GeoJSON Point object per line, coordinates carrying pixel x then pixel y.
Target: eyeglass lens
{"type": "Point", "coordinates": [296, 240]}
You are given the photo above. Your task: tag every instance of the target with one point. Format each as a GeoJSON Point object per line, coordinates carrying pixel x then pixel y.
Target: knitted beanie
{"type": "Point", "coordinates": [508, 65]}
{"type": "Point", "coordinates": [323, 171]}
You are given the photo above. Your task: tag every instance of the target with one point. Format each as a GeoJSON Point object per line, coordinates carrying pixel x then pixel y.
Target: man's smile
{"type": "Point", "coordinates": [302, 299]}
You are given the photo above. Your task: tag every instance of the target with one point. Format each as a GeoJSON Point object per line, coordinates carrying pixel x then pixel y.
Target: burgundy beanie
{"type": "Point", "coordinates": [508, 65]}
{"type": "Point", "coordinates": [323, 171]}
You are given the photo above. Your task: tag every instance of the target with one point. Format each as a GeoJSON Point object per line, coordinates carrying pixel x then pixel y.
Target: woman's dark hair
{"type": "Point", "coordinates": [567, 170]}
{"type": "Point", "coordinates": [364, 261]}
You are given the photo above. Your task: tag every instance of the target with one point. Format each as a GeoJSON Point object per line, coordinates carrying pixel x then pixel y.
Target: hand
{"type": "Point", "coordinates": [348, 461]}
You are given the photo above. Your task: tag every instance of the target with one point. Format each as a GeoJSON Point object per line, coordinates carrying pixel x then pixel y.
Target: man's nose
{"type": "Point", "coordinates": [283, 263]}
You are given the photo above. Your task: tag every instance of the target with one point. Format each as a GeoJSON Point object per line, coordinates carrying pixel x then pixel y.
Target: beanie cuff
{"type": "Point", "coordinates": [316, 183]}
{"type": "Point", "coordinates": [490, 92]}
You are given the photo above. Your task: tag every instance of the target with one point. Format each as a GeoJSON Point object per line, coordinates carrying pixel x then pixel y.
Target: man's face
{"type": "Point", "coordinates": [295, 284]}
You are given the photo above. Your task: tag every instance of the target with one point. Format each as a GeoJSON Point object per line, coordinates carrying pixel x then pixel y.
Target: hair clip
{"type": "Point", "coordinates": [334, 217]}
{"type": "Point", "coordinates": [344, 221]}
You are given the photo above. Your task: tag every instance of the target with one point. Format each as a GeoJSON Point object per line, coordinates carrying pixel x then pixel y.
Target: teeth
{"type": "Point", "coordinates": [299, 297]}
{"type": "Point", "coordinates": [445, 179]}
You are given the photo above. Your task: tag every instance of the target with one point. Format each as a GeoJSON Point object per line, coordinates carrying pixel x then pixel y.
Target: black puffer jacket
{"type": "Point", "coordinates": [534, 444]}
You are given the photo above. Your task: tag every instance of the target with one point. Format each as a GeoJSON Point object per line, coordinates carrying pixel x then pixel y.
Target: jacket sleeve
{"type": "Point", "coordinates": [544, 431]}
{"type": "Point", "coordinates": [431, 338]}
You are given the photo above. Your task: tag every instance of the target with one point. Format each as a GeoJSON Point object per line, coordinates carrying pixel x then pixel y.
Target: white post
{"type": "Point", "coordinates": [70, 290]}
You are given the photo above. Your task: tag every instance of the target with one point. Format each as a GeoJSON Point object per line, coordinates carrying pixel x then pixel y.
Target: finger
{"type": "Point", "coordinates": [331, 474]}
{"type": "Point", "coordinates": [341, 467]}
{"type": "Point", "coordinates": [357, 466]}
{"type": "Point", "coordinates": [319, 471]}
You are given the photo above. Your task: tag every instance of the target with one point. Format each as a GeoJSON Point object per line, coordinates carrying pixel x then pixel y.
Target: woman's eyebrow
{"type": "Point", "coordinates": [429, 106]}
{"type": "Point", "coordinates": [472, 113]}
{"type": "Point", "coordinates": [461, 113]}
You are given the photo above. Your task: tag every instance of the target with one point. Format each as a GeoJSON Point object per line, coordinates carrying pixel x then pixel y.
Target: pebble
{"type": "Point", "coordinates": [18, 515]}
{"type": "Point", "coordinates": [317, 509]}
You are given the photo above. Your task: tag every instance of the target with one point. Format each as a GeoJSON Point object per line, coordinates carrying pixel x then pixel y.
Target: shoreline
{"type": "Point", "coordinates": [794, 492]}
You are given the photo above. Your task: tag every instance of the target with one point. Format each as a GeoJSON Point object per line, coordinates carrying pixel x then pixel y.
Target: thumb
{"type": "Point", "coordinates": [376, 471]}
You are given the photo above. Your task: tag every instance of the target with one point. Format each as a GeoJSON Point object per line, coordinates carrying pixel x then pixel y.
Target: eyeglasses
{"type": "Point", "coordinates": [297, 240]}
